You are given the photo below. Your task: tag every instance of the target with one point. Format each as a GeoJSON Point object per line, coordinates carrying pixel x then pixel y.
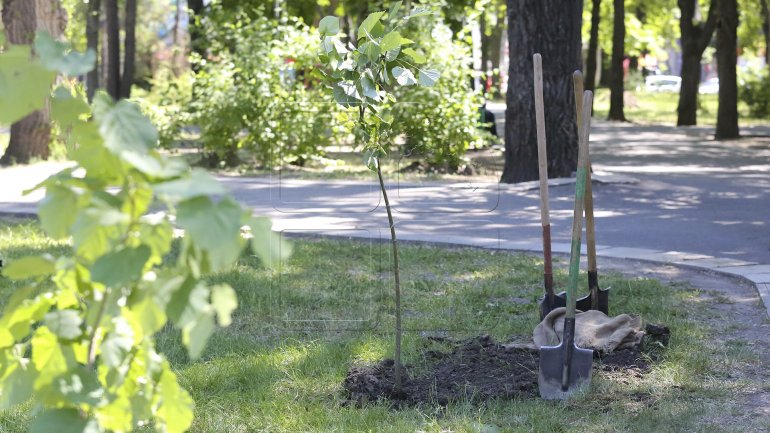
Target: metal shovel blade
{"type": "Point", "coordinates": [583, 304]}
{"type": "Point", "coordinates": [548, 305]}
{"type": "Point", "coordinates": [603, 297]}
{"type": "Point", "coordinates": [552, 369]}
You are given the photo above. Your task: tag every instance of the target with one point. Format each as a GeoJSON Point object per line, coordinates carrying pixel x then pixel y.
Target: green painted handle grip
{"type": "Point", "coordinates": [577, 217]}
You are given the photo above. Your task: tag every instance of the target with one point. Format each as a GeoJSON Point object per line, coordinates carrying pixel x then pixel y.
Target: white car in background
{"type": "Point", "coordinates": [709, 87]}
{"type": "Point", "coordinates": [662, 83]}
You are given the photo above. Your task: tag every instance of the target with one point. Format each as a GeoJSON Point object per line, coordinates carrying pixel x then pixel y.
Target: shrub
{"type": "Point", "coordinates": [755, 92]}
{"type": "Point", "coordinates": [166, 104]}
{"type": "Point", "coordinates": [255, 95]}
{"type": "Point", "coordinates": [442, 122]}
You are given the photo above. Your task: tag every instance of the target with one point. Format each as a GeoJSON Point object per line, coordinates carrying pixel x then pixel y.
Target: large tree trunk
{"type": "Point", "coordinates": [695, 39]}
{"type": "Point", "coordinates": [113, 48]}
{"type": "Point", "coordinates": [727, 45]}
{"type": "Point", "coordinates": [129, 49]}
{"type": "Point", "coordinates": [92, 42]}
{"type": "Point", "coordinates": [31, 135]}
{"type": "Point", "coordinates": [552, 28]}
{"type": "Point", "coordinates": [766, 30]}
{"type": "Point", "coordinates": [593, 46]}
{"type": "Point", "coordinates": [616, 69]}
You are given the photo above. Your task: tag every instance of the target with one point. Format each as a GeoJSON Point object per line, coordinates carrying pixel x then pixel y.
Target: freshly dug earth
{"type": "Point", "coordinates": [475, 370]}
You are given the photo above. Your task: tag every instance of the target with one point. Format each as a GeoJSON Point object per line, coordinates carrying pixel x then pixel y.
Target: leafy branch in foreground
{"type": "Point", "coordinates": [77, 336]}
{"type": "Point", "coordinates": [362, 75]}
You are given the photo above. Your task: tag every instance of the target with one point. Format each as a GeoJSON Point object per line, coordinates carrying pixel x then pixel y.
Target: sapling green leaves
{"type": "Point", "coordinates": [362, 77]}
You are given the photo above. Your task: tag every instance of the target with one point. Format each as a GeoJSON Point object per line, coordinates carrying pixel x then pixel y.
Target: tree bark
{"type": "Point", "coordinates": [129, 50]}
{"type": "Point", "coordinates": [593, 46]}
{"type": "Point", "coordinates": [113, 49]}
{"type": "Point", "coordinates": [484, 47]}
{"type": "Point", "coordinates": [695, 39]}
{"type": "Point", "coordinates": [31, 135]}
{"type": "Point", "coordinates": [766, 30]}
{"type": "Point", "coordinates": [197, 37]}
{"type": "Point", "coordinates": [551, 28]}
{"type": "Point", "coordinates": [92, 42]}
{"type": "Point", "coordinates": [727, 57]}
{"type": "Point", "coordinates": [616, 69]}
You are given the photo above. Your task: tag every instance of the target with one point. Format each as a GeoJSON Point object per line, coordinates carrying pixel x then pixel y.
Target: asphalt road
{"type": "Point", "coordinates": [687, 193]}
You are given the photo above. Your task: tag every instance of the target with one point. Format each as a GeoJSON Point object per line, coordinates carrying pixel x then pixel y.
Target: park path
{"type": "Point", "coordinates": [663, 194]}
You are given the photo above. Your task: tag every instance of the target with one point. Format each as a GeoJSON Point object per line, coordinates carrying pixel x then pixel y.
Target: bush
{"type": "Point", "coordinates": [755, 92]}
{"type": "Point", "coordinates": [167, 104]}
{"type": "Point", "coordinates": [255, 95]}
{"type": "Point", "coordinates": [442, 122]}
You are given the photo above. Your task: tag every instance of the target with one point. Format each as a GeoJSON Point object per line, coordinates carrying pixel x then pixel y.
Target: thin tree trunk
{"type": "Point", "coordinates": [695, 39]}
{"type": "Point", "coordinates": [484, 47]}
{"type": "Point", "coordinates": [616, 70]}
{"type": "Point", "coordinates": [593, 46]}
{"type": "Point", "coordinates": [766, 30]}
{"type": "Point", "coordinates": [92, 42]}
{"type": "Point", "coordinates": [177, 19]}
{"type": "Point", "coordinates": [727, 58]}
{"type": "Point", "coordinates": [31, 135]}
{"type": "Point", "coordinates": [113, 48]}
{"type": "Point", "coordinates": [197, 37]}
{"type": "Point", "coordinates": [551, 28]}
{"type": "Point", "coordinates": [397, 276]}
{"type": "Point", "coordinates": [129, 50]}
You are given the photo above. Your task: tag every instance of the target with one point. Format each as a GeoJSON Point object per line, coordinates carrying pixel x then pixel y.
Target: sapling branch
{"type": "Point", "coordinates": [370, 95]}
{"type": "Point", "coordinates": [397, 277]}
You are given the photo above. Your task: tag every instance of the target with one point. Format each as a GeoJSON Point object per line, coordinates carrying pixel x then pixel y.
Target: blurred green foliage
{"type": "Point", "coordinates": [443, 121]}
{"type": "Point", "coordinates": [754, 90]}
{"type": "Point", "coordinates": [256, 98]}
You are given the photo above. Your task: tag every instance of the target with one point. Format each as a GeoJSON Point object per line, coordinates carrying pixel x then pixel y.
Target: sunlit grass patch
{"type": "Point", "coordinates": [659, 108]}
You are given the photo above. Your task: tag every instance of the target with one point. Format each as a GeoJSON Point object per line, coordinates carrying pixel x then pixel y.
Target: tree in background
{"type": "Point", "coordinates": [727, 58]}
{"type": "Point", "coordinates": [31, 135]}
{"type": "Point", "coordinates": [593, 46]}
{"type": "Point", "coordinates": [552, 28]}
{"type": "Point", "coordinates": [616, 70]}
{"type": "Point", "coordinates": [766, 30]}
{"type": "Point", "coordinates": [92, 43]}
{"type": "Point", "coordinates": [112, 86]}
{"type": "Point", "coordinates": [119, 81]}
{"type": "Point", "coordinates": [129, 47]}
{"type": "Point", "coordinates": [695, 38]}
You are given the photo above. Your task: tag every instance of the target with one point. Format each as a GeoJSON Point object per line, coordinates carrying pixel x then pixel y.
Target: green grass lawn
{"type": "Point", "coordinates": [279, 366]}
{"type": "Point", "coordinates": [660, 108]}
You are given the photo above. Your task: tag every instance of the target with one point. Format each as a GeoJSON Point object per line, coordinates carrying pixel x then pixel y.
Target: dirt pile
{"type": "Point", "coordinates": [474, 370]}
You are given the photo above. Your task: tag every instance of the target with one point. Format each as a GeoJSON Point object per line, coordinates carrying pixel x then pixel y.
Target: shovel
{"type": "Point", "coordinates": [550, 301]}
{"type": "Point", "coordinates": [597, 299]}
{"type": "Point", "coordinates": [566, 368]}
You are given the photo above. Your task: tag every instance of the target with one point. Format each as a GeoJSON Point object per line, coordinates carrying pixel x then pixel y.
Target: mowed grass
{"type": "Point", "coordinates": [659, 108]}
{"type": "Point", "coordinates": [280, 365]}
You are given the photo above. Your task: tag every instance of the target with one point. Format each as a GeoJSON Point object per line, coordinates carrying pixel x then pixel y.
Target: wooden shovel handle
{"type": "Point", "coordinates": [542, 158]}
{"type": "Point", "coordinates": [577, 216]}
{"type": "Point", "coordinates": [542, 163]}
{"type": "Point", "coordinates": [577, 79]}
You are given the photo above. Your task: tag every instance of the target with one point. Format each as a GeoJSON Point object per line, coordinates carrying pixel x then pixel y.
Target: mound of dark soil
{"type": "Point", "coordinates": [477, 369]}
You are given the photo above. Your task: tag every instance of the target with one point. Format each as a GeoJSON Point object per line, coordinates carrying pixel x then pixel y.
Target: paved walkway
{"type": "Point", "coordinates": [671, 195]}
